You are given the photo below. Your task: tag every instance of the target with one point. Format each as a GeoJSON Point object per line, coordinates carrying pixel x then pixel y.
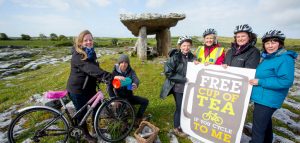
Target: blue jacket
{"type": "Point", "coordinates": [275, 76]}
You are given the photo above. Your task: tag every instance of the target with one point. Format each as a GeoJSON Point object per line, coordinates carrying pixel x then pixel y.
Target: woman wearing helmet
{"type": "Point", "coordinates": [243, 52]}
{"type": "Point", "coordinates": [274, 76]}
{"type": "Point", "coordinates": [175, 71]}
{"type": "Point", "coordinates": [211, 52]}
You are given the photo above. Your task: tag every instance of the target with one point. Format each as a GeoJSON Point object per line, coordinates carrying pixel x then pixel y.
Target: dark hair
{"type": "Point", "coordinates": [252, 38]}
{"type": "Point", "coordinates": [281, 43]}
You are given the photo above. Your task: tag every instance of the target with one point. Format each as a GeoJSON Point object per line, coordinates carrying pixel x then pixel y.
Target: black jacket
{"type": "Point", "coordinates": [84, 74]}
{"type": "Point", "coordinates": [248, 57]}
{"type": "Point", "coordinates": [123, 91]}
{"type": "Point", "coordinates": [175, 71]}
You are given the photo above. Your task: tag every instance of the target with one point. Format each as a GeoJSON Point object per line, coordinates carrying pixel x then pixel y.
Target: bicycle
{"type": "Point", "coordinates": [113, 122]}
{"type": "Point", "coordinates": [213, 117]}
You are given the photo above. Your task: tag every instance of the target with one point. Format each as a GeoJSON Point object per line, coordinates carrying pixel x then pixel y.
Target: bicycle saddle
{"type": "Point", "coordinates": [56, 94]}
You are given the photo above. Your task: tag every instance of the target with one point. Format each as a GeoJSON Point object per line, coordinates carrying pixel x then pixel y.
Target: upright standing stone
{"type": "Point", "coordinates": [148, 24]}
{"type": "Point", "coordinates": [166, 42]}
{"type": "Point", "coordinates": [142, 44]}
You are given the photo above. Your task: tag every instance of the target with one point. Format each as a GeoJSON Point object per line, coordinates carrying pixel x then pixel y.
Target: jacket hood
{"type": "Point", "coordinates": [117, 69]}
{"type": "Point", "coordinates": [279, 52]}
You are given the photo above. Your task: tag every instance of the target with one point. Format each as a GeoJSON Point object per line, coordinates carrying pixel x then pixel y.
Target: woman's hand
{"type": "Point", "coordinates": [196, 62]}
{"type": "Point", "coordinates": [134, 86]}
{"type": "Point", "coordinates": [119, 77]}
{"type": "Point", "coordinates": [253, 82]}
{"type": "Point", "coordinates": [206, 63]}
{"type": "Point", "coordinates": [224, 66]}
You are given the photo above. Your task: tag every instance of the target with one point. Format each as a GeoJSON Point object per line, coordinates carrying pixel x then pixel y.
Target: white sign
{"type": "Point", "coordinates": [215, 102]}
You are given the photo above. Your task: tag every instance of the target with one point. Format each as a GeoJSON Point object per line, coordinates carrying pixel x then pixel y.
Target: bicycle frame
{"type": "Point", "coordinates": [71, 126]}
{"type": "Point", "coordinates": [94, 101]}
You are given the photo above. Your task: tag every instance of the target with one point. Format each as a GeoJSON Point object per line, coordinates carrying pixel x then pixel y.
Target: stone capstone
{"type": "Point", "coordinates": [153, 21]}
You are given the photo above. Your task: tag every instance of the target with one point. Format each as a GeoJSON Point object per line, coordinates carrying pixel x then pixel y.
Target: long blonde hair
{"type": "Point", "coordinates": [78, 41]}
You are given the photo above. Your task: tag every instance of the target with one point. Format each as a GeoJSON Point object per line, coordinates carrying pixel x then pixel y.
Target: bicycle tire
{"type": "Point", "coordinates": [38, 124]}
{"type": "Point", "coordinates": [113, 123]}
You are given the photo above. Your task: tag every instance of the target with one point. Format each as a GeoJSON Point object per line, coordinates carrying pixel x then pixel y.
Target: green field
{"type": "Point", "coordinates": [293, 44]}
{"type": "Point", "coordinates": [54, 77]}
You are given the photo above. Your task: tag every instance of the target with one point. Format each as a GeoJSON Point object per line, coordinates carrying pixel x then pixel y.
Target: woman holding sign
{"type": "Point", "coordinates": [175, 71]}
{"type": "Point", "coordinates": [243, 52]}
{"type": "Point", "coordinates": [274, 76]}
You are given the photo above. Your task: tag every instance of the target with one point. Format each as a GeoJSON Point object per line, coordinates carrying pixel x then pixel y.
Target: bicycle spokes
{"type": "Point", "coordinates": [38, 125]}
{"type": "Point", "coordinates": [115, 120]}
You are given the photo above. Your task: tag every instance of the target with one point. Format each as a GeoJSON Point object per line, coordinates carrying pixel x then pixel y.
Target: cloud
{"type": "Point", "coordinates": [103, 3]}
{"type": "Point", "coordinates": [124, 11]}
{"type": "Point", "coordinates": [83, 3]}
{"type": "Point", "coordinates": [277, 6]}
{"type": "Point", "coordinates": [281, 13]}
{"type": "Point", "coordinates": [49, 23]}
{"type": "Point", "coordinates": [56, 4]}
{"type": "Point", "coordinates": [202, 15]}
{"type": "Point", "coordinates": [155, 3]}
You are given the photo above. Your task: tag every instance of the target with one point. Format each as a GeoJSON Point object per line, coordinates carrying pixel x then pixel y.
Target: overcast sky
{"type": "Point", "coordinates": [102, 17]}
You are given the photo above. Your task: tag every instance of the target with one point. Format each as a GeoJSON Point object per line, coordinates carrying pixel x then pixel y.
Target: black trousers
{"type": "Point", "coordinates": [79, 100]}
{"type": "Point", "coordinates": [137, 100]}
{"type": "Point", "coordinates": [262, 131]}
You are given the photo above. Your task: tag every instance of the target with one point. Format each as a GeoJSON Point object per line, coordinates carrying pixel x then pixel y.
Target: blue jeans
{"type": "Point", "coordinates": [262, 131]}
{"type": "Point", "coordinates": [178, 101]}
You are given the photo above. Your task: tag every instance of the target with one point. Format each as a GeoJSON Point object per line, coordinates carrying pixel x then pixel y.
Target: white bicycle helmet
{"type": "Point", "coordinates": [243, 28]}
{"type": "Point", "coordinates": [209, 31]}
{"type": "Point", "coordinates": [273, 34]}
{"type": "Point", "coordinates": [183, 39]}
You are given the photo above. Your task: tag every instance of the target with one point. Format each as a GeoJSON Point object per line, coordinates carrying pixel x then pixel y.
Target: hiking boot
{"type": "Point", "coordinates": [137, 122]}
{"type": "Point", "coordinates": [89, 138]}
{"type": "Point", "coordinates": [178, 132]}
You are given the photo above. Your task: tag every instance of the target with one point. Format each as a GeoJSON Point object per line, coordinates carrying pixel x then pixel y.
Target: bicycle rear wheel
{"type": "Point", "coordinates": [38, 124]}
{"type": "Point", "coordinates": [113, 122]}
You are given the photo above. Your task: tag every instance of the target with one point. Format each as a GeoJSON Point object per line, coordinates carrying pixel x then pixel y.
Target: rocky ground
{"type": "Point", "coordinates": [14, 61]}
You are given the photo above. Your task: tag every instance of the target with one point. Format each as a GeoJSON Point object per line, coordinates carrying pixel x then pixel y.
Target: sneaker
{"type": "Point", "coordinates": [178, 132]}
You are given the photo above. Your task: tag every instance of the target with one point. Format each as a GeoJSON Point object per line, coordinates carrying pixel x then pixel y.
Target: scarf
{"type": "Point", "coordinates": [90, 53]}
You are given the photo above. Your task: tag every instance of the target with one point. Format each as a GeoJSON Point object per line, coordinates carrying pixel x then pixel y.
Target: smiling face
{"type": "Point", "coordinates": [242, 38]}
{"type": "Point", "coordinates": [123, 66]}
{"type": "Point", "coordinates": [87, 41]}
{"type": "Point", "coordinates": [209, 39]}
{"type": "Point", "coordinates": [271, 46]}
{"type": "Point", "coordinates": [185, 47]}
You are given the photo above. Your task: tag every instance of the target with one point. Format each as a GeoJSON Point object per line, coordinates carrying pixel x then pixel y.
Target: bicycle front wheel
{"type": "Point", "coordinates": [38, 124]}
{"type": "Point", "coordinates": [114, 120]}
